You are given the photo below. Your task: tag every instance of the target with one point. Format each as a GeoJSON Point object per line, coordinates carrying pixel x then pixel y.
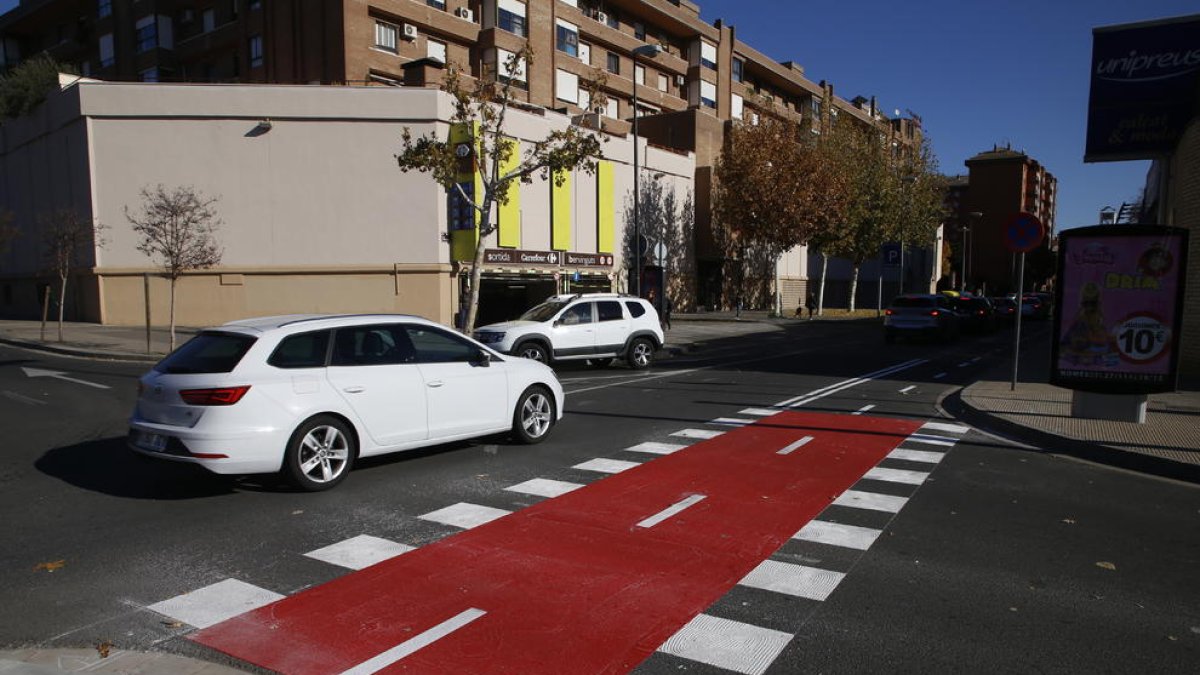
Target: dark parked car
{"type": "Point", "coordinates": [976, 314]}
{"type": "Point", "coordinates": [931, 316]}
{"type": "Point", "coordinates": [1005, 309]}
{"type": "Point", "coordinates": [1041, 306]}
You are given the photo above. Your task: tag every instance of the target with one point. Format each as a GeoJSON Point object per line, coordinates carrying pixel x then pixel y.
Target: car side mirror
{"type": "Point", "coordinates": [481, 358]}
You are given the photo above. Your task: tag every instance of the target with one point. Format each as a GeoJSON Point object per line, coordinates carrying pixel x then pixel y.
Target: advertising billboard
{"type": "Point", "coordinates": [1119, 300]}
{"type": "Point", "coordinates": [1143, 84]}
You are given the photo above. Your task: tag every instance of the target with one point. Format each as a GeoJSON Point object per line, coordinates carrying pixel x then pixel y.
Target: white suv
{"type": "Point", "coordinates": [591, 326]}
{"type": "Point", "coordinates": [308, 395]}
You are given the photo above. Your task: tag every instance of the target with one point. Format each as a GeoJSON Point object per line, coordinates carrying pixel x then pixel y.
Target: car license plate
{"type": "Point", "coordinates": [151, 442]}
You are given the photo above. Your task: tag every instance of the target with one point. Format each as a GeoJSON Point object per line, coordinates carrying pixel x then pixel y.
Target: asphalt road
{"type": "Point", "coordinates": [1004, 559]}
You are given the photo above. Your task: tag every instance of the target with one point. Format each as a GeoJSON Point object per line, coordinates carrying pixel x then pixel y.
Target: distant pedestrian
{"type": "Point", "coordinates": [810, 303]}
{"type": "Point", "coordinates": [666, 313]}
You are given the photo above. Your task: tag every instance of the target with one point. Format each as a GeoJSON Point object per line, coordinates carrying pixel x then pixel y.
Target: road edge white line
{"type": "Point", "coordinates": [411, 645]}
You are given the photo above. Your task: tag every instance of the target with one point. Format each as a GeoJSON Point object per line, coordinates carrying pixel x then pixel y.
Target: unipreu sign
{"type": "Point", "coordinates": [1119, 298]}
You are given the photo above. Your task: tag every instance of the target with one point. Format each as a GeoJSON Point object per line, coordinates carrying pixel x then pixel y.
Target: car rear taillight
{"type": "Point", "coordinates": [980, 312]}
{"type": "Point", "coordinates": [889, 312]}
{"type": "Point", "coordinates": [935, 313]}
{"type": "Point", "coordinates": [218, 396]}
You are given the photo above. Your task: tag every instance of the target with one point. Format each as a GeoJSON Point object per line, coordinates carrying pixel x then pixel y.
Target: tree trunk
{"type": "Point", "coordinates": [172, 314]}
{"type": "Point", "coordinates": [853, 287]}
{"type": "Point", "coordinates": [821, 293]}
{"type": "Point", "coordinates": [477, 268]}
{"type": "Point", "coordinates": [62, 302]}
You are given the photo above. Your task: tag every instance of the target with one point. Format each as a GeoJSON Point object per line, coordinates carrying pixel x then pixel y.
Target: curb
{"type": "Point", "coordinates": [81, 353]}
{"type": "Point", "coordinates": [1053, 444]}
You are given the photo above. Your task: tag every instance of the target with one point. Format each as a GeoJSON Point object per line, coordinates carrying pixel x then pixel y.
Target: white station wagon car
{"type": "Point", "coordinates": [307, 395]}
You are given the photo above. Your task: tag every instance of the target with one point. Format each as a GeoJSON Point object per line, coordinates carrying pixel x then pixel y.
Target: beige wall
{"type": "Point", "coordinates": [316, 216]}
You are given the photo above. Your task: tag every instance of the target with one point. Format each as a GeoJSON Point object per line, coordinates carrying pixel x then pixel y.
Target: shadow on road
{"type": "Point", "coordinates": [109, 467]}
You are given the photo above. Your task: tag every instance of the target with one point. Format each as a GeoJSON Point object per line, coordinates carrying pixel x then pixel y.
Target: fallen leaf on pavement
{"type": "Point", "coordinates": [50, 566]}
{"type": "Point", "coordinates": [103, 648]}
{"type": "Point", "coordinates": [297, 512]}
{"type": "Point", "coordinates": [173, 624]}
{"type": "Point", "coordinates": [1107, 566]}
{"type": "Point", "coordinates": [1069, 521]}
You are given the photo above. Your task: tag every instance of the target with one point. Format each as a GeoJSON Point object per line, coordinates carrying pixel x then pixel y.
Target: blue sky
{"type": "Point", "coordinates": [978, 73]}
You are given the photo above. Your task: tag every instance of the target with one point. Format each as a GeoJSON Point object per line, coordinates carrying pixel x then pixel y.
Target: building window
{"type": "Point", "coordinates": [149, 75]}
{"type": "Point", "coordinates": [815, 106]}
{"type": "Point", "coordinates": [611, 109]}
{"type": "Point", "coordinates": [385, 36]}
{"type": "Point", "coordinates": [614, 63]}
{"type": "Point", "coordinates": [708, 94]}
{"type": "Point", "coordinates": [437, 4]}
{"type": "Point", "coordinates": [738, 68]}
{"type": "Point", "coordinates": [708, 55]}
{"type": "Point", "coordinates": [104, 8]}
{"type": "Point", "coordinates": [567, 37]}
{"type": "Point", "coordinates": [585, 53]}
{"type": "Point", "coordinates": [738, 104]}
{"type": "Point", "coordinates": [435, 50]}
{"type": "Point", "coordinates": [107, 57]}
{"type": "Point", "coordinates": [147, 34]}
{"type": "Point", "coordinates": [256, 51]}
{"type": "Point", "coordinates": [566, 86]}
{"type": "Point", "coordinates": [209, 20]}
{"type": "Point", "coordinates": [639, 73]}
{"type": "Point", "coordinates": [662, 82]}
{"type": "Point", "coordinates": [510, 16]}
{"type": "Point", "coordinates": [514, 75]}
{"type": "Point", "coordinates": [611, 19]}
{"type": "Point", "coordinates": [639, 30]}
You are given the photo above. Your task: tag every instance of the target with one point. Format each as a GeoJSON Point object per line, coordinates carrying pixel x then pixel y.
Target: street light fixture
{"type": "Point", "coordinates": [649, 51]}
{"type": "Point", "coordinates": [975, 216]}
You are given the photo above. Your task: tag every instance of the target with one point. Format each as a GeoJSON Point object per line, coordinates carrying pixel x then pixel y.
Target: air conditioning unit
{"type": "Point", "coordinates": [410, 32]}
{"type": "Point", "coordinates": [464, 13]}
{"type": "Point", "coordinates": [601, 17]}
{"type": "Point", "coordinates": [680, 80]}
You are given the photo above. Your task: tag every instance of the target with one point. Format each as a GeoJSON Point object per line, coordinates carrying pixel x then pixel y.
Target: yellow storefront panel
{"type": "Point", "coordinates": [509, 214]}
{"type": "Point", "coordinates": [560, 214]}
{"type": "Point", "coordinates": [464, 219]}
{"type": "Point", "coordinates": [605, 214]}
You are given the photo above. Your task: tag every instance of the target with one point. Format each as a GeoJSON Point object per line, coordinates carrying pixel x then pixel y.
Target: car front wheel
{"type": "Point", "coordinates": [641, 354]}
{"type": "Point", "coordinates": [534, 416]}
{"type": "Point", "coordinates": [319, 454]}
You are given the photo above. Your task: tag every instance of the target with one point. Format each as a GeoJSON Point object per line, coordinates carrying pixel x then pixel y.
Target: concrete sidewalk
{"type": "Point", "coordinates": [110, 661]}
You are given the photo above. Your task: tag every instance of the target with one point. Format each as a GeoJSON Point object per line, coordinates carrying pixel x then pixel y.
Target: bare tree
{"type": "Point", "coordinates": [483, 107]}
{"type": "Point", "coordinates": [668, 219]}
{"type": "Point", "coordinates": [66, 236]}
{"type": "Point", "coordinates": [177, 229]}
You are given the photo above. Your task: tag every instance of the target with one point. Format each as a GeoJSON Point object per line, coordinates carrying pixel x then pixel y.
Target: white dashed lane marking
{"type": "Point", "coordinates": [359, 552]}
{"type": "Point", "coordinates": [544, 487]}
{"type": "Point", "coordinates": [871, 501]}
{"type": "Point", "coordinates": [672, 510]}
{"type": "Point", "coordinates": [606, 465]}
{"type": "Point", "coordinates": [837, 534]}
{"type": "Point", "coordinates": [931, 440]}
{"type": "Point", "coordinates": [795, 580]}
{"type": "Point", "coordinates": [731, 421]}
{"type": "Point", "coordinates": [703, 434]}
{"type": "Point", "coordinates": [926, 456]}
{"type": "Point", "coordinates": [655, 448]}
{"type": "Point", "coordinates": [950, 428]}
{"type": "Point", "coordinates": [409, 646]}
{"type": "Point", "coordinates": [791, 447]}
{"type": "Point", "coordinates": [213, 604]}
{"type": "Point", "coordinates": [760, 412]}
{"type": "Point", "coordinates": [865, 408]}
{"type": "Point", "coordinates": [465, 515]}
{"type": "Point", "coordinates": [731, 645]}
{"type": "Point", "coordinates": [896, 475]}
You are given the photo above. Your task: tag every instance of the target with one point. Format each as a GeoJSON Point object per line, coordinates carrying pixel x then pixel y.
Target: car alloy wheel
{"type": "Point", "coordinates": [320, 454]}
{"type": "Point", "coordinates": [534, 416]}
{"type": "Point", "coordinates": [534, 352]}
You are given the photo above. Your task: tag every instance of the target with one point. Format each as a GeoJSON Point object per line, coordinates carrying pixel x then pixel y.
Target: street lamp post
{"type": "Point", "coordinates": [975, 216]}
{"type": "Point", "coordinates": [650, 51]}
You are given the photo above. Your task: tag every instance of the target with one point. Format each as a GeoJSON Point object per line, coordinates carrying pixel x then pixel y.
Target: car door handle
{"type": "Point", "coordinates": [436, 383]}
{"type": "Point", "coordinates": [354, 390]}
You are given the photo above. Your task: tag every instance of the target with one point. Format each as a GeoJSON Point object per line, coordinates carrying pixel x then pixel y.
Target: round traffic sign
{"type": "Point", "coordinates": [1023, 232]}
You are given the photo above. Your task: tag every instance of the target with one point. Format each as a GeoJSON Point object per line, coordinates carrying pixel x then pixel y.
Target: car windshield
{"type": "Point", "coordinates": [208, 352]}
{"type": "Point", "coordinates": [544, 311]}
{"type": "Point", "coordinates": [912, 302]}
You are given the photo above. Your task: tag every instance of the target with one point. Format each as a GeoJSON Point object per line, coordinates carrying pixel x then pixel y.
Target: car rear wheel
{"type": "Point", "coordinates": [641, 354]}
{"type": "Point", "coordinates": [319, 454]}
{"type": "Point", "coordinates": [534, 416]}
{"type": "Point", "coordinates": [534, 352]}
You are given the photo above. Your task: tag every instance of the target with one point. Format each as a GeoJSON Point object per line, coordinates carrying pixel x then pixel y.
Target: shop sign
{"type": "Point", "coordinates": [1119, 301]}
{"type": "Point", "coordinates": [509, 256]}
{"type": "Point", "coordinates": [587, 259]}
{"type": "Point", "coordinates": [1143, 88]}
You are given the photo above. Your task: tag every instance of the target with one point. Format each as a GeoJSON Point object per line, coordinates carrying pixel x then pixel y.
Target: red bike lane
{"type": "Point", "coordinates": [592, 581]}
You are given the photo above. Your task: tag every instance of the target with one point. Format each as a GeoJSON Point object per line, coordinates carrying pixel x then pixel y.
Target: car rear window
{"type": "Point", "coordinates": [208, 352]}
{"type": "Point", "coordinates": [912, 302]}
{"type": "Point", "coordinates": [306, 350]}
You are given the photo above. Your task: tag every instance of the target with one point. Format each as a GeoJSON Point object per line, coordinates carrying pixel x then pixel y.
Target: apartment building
{"type": "Point", "coordinates": [1000, 182]}
{"type": "Point", "coordinates": [702, 79]}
